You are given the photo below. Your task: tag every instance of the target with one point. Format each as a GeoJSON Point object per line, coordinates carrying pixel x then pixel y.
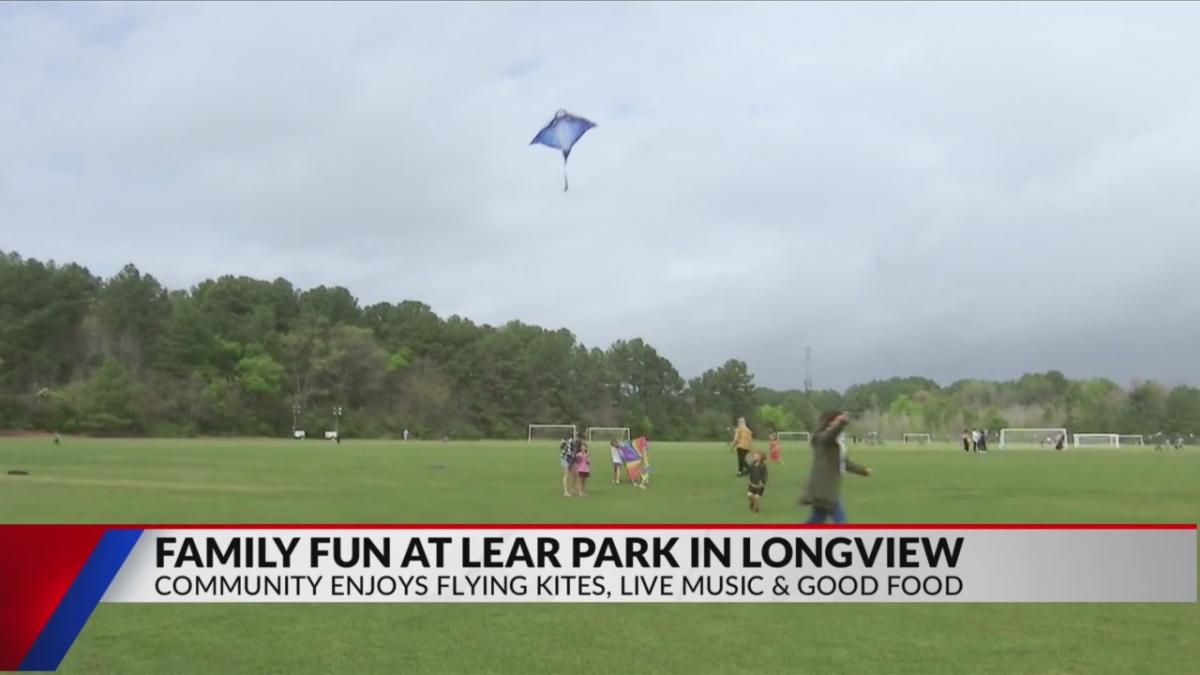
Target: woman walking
{"type": "Point", "coordinates": [743, 443]}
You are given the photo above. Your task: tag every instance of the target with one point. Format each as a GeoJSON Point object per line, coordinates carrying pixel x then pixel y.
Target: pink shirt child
{"type": "Point", "coordinates": [583, 463]}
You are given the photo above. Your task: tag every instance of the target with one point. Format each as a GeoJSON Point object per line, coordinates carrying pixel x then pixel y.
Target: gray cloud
{"type": "Point", "coordinates": [949, 190]}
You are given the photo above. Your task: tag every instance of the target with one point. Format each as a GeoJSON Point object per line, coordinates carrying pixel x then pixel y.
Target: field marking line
{"type": "Point", "coordinates": [158, 485]}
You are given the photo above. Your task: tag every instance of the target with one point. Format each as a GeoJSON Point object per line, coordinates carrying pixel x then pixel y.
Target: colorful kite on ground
{"type": "Point", "coordinates": [562, 133]}
{"type": "Point", "coordinates": [633, 461]}
{"type": "Point", "coordinates": [643, 448]}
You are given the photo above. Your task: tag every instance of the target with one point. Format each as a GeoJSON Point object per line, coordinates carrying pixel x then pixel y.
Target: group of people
{"type": "Point", "coordinates": [975, 440]}
{"type": "Point", "coordinates": [829, 462]}
{"type": "Point", "coordinates": [576, 463]}
{"type": "Point", "coordinates": [743, 444]}
{"type": "Point", "coordinates": [1176, 443]}
{"type": "Point", "coordinates": [822, 492]}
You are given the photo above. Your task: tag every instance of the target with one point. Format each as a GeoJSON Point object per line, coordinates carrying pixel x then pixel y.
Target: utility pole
{"type": "Point", "coordinates": [807, 370]}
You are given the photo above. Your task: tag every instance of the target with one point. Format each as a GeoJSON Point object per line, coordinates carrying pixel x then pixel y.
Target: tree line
{"type": "Point", "coordinates": [243, 356]}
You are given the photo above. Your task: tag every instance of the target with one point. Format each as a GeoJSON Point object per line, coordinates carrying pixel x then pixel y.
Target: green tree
{"type": "Point", "coordinates": [879, 394]}
{"type": "Point", "coordinates": [1146, 410]}
{"type": "Point", "coordinates": [108, 401]}
{"type": "Point", "coordinates": [132, 309]}
{"type": "Point", "coordinates": [648, 390]}
{"type": "Point", "coordinates": [260, 375]}
{"type": "Point", "coordinates": [330, 306]}
{"type": "Point", "coordinates": [775, 418]}
{"type": "Point", "coordinates": [728, 389]}
{"type": "Point", "coordinates": [42, 306]}
{"type": "Point", "coordinates": [1182, 411]}
{"type": "Point", "coordinates": [353, 366]}
{"type": "Point", "coordinates": [800, 407]}
{"type": "Point", "coordinates": [235, 354]}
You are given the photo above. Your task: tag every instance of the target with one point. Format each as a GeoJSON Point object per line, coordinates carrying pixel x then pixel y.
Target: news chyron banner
{"type": "Point", "coordinates": [52, 577]}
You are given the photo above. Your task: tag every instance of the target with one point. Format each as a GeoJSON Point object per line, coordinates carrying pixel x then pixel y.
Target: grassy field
{"type": "Point", "coordinates": [253, 481]}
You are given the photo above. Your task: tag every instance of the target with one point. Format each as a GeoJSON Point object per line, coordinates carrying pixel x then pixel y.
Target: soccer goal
{"type": "Point", "coordinates": [550, 432]}
{"type": "Point", "coordinates": [1108, 440]}
{"type": "Point", "coordinates": [802, 436]}
{"type": "Point", "coordinates": [608, 434]}
{"type": "Point", "coordinates": [1031, 438]}
{"type": "Point", "coordinates": [1097, 440]}
{"type": "Point", "coordinates": [917, 438]}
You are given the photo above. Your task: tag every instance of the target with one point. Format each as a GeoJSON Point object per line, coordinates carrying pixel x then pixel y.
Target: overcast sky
{"type": "Point", "coordinates": [945, 190]}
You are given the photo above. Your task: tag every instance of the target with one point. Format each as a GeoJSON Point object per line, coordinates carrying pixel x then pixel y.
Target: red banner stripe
{"type": "Point", "coordinates": [656, 526]}
{"type": "Point", "coordinates": [38, 563]}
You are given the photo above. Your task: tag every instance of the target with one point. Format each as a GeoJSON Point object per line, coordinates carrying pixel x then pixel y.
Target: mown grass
{"type": "Point", "coordinates": [257, 481]}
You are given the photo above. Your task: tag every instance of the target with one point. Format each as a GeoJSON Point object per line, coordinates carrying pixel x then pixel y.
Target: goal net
{"type": "Point", "coordinates": [1032, 438]}
{"type": "Point", "coordinates": [917, 438]}
{"type": "Point", "coordinates": [550, 432]}
{"type": "Point", "coordinates": [787, 436]}
{"type": "Point", "coordinates": [1097, 440]}
{"type": "Point", "coordinates": [1108, 440]}
{"type": "Point", "coordinates": [606, 434]}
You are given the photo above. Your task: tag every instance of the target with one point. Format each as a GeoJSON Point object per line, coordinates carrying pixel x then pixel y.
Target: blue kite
{"type": "Point", "coordinates": [563, 132]}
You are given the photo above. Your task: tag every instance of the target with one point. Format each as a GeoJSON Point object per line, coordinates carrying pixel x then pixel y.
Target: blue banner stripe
{"type": "Point", "coordinates": [81, 599]}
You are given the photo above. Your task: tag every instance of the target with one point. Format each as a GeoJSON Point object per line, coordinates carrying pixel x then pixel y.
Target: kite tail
{"type": "Point", "coordinates": [564, 172]}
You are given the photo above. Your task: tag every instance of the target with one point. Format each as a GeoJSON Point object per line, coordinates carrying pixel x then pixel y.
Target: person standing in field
{"type": "Point", "coordinates": [743, 443]}
{"type": "Point", "coordinates": [966, 439]}
{"type": "Point", "coordinates": [566, 459]}
{"type": "Point", "coordinates": [583, 467]}
{"type": "Point", "coordinates": [776, 450]}
{"type": "Point", "coordinates": [824, 490]}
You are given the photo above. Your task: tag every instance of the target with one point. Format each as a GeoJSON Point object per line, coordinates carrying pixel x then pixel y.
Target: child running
{"type": "Point", "coordinates": [758, 480]}
{"type": "Point", "coordinates": [776, 451]}
{"type": "Point", "coordinates": [825, 479]}
{"type": "Point", "coordinates": [614, 449]}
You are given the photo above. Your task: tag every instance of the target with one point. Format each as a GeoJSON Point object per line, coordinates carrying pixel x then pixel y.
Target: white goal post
{"type": "Point", "coordinates": [1097, 440]}
{"type": "Point", "coordinates": [550, 432]}
{"type": "Point", "coordinates": [793, 436]}
{"type": "Point", "coordinates": [1032, 438]}
{"type": "Point", "coordinates": [917, 438]}
{"type": "Point", "coordinates": [1108, 440]}
{"type": "Point", "coordinates": [609, 434]}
